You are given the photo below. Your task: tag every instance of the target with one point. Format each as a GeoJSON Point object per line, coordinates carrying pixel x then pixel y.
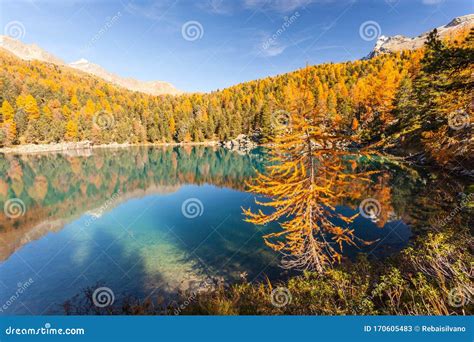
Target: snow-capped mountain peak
{"type": "Point", "coordinates": [80, 61]}
{"type": "Point", "coordinates": [148, 87]}
{"type": "Point", "coordinates": [34, 52]}
{"type": "Point", "coordinates": [397, 43]}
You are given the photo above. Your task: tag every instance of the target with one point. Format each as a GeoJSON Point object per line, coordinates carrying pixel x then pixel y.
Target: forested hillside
{"type": "Point", "coordinates": [420, 97]}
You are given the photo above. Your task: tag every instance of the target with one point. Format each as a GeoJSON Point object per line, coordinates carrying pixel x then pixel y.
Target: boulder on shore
{"type": "Point", "coordinates": [241, 143]}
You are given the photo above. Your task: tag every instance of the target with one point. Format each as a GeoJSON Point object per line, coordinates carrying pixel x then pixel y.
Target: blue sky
{"type": "Point", "coordinates": [227, 42]}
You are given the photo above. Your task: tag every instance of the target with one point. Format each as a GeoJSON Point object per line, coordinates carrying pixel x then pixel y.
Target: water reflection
{"type": "Point", "coordinates": [115, 217]}
{"type": "Point", "coordinates": [56, 188]}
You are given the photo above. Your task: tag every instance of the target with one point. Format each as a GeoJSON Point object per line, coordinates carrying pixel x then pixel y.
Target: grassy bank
{"type": "Point", "coordinates": [430, 278]}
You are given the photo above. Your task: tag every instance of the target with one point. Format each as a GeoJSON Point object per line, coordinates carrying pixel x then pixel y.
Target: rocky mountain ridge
{"type": "Point", "coordinates": [34, 52]}
{"type": "Point", "coordinates": [398, 43]}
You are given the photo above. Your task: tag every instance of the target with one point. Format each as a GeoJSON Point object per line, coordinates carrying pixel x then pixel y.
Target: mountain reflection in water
{"type": "Point", "coordinates": [119, 217]}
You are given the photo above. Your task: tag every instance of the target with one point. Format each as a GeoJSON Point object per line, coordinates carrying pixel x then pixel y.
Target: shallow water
{"type": "Point", "coordinates": [143, 222]}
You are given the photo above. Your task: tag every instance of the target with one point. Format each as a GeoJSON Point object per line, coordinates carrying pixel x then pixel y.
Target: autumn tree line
{"type": "Point", "coordinates": [314, 149]}
{"type": "Point", "coordinates": [404, 98]}
{"type": "Point", "coordinates": [60, 187]}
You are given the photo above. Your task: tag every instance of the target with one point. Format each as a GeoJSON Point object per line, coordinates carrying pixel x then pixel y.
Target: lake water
{"type": "Point", "coordinates": [146, 222]}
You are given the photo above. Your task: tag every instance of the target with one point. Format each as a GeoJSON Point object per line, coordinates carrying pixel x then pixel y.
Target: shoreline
{"type": "Point", "coordinates": [86, 145]}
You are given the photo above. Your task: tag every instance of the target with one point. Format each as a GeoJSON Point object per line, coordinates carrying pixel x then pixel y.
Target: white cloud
{"type": "Point", "coordinates": [432, 2]}
{"type": "Point", "coordinates": [270, 46]}
{"type": "Point", "coordinates": [282, 6]}
{"type": "Point", "coordinates": [155, 10]}
{"type": "Point", "coordinates": [217, 6]}
{"type": "Point", "coordinates": [274, 50]}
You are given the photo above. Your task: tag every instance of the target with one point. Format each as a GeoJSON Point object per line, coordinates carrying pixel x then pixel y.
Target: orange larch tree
{"type": "Point", "coordinates": [302, 186]}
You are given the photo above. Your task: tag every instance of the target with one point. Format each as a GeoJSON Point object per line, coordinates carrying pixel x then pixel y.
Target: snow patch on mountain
{"type": "Point", "coordinates": [398, 43]}
{"type": "Point", "coordinates": [34, 52]}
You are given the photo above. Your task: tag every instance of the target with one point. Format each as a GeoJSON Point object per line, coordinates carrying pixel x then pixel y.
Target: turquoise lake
{"type": "Point", "coordinates": [146, 222]}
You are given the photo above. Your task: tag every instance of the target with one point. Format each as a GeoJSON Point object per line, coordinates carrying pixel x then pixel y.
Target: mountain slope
{"type": "Point", "coordinates": [399, 43]}
{"type": "Point", "coordinates": [28, 52]}
{"type": "Point", "coordinates": [34, 52]}
{"type": "Point", "coordinates": [151, 87]}
{"type": "Point", "coordinates": [393, 95]}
